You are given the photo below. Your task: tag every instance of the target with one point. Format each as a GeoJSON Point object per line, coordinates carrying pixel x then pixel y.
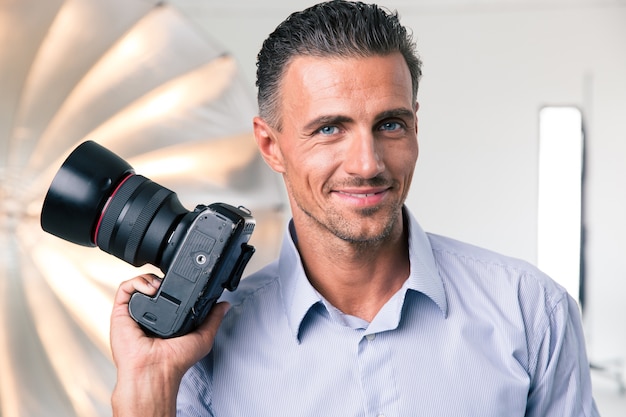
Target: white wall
{"type": "Point", "coordinates": [487, 71]}
{"type": "Point", "coordinates": [486, 76]}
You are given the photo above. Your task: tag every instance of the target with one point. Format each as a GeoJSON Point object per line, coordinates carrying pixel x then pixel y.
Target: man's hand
{"type": "Point", "coordinates": [149, 370]}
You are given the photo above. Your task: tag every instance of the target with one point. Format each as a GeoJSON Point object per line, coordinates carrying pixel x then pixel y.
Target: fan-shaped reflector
{"type": "Point", "coordinates": [136, 77]}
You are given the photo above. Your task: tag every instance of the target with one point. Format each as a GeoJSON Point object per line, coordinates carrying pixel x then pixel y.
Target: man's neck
{"type": "Point", "coordinates": [358, 279]}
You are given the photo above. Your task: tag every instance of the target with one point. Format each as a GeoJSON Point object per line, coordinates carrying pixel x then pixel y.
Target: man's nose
{"type": "Point", "coordinates": [364, 157]}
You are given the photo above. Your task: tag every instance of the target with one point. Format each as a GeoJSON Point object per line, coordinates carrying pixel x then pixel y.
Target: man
{"type": "Point", "coordinates": [363, 314]}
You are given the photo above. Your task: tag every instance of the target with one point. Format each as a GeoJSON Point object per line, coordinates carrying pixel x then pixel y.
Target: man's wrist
{"type": "Point", "coordinates": [145, 394]}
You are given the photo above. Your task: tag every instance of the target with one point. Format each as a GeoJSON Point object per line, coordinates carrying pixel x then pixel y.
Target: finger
{"type": "Point", "coordinates": [145, 283]}
{"type": "Point", "coordinates": [213, 320]}
{"type": "Point", "coordinates": [205, 333]}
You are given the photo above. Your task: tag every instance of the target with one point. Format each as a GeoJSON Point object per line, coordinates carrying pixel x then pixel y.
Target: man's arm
{"type": "Point", "coordinates": [149, 370]}
{"type": "Point", "coordinates": [561, 384]}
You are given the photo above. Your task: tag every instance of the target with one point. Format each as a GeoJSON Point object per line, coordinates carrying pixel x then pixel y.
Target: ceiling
{"type": "Point", "coordinates": [266, 6]}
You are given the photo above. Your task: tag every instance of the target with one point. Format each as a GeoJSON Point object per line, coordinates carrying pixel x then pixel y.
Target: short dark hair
{"type": "Point", "coordinates": [334, 28]}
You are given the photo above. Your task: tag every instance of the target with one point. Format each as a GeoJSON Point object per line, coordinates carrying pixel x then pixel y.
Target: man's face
{"type": "Point", "coordinates": [348, 144]}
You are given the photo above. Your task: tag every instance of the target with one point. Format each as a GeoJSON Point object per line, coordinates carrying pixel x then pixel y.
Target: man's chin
{"type": "Point", "coordinates": [371, 236]}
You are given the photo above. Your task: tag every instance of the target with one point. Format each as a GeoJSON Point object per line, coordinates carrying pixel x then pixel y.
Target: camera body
{"type": "Point", "coordinates": [96, 199]}
{"type": "Point", "coordinates": [210, 254]}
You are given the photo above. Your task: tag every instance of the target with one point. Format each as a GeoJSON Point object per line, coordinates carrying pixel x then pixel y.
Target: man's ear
{"type": "Point", "coordinates": [417, 107]}
{"type": "Point", "coordinates": [268, 145]}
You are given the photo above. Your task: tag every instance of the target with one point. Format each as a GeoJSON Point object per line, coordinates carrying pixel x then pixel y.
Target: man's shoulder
{"type": "Point", "coordinates": [447, 246]}
{"type": "Point", "coordinates": [489, 267]}
{"type": "Point", "coordinates": [255, 285]}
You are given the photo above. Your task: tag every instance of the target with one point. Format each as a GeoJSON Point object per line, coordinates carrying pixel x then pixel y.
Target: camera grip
{"type": "Point", "coordinates": [211, 257]}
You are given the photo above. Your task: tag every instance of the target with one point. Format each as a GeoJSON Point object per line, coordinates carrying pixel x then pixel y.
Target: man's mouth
{"type": "Point", "coordinates": [364, 197]}
{"type": "Point", "coordinates": [359, 195]}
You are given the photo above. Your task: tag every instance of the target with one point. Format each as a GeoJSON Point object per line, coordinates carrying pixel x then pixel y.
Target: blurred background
{"type": "Point", "coordinates": [522, 150]}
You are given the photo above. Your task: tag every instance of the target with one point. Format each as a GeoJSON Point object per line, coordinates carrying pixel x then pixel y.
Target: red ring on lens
{"type": "Point", "coordinates": [104, 209]}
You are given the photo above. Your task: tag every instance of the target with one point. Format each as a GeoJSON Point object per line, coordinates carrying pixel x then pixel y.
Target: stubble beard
{"type": "Point", "coordinates": [343, 228]}
{"type": "Point", "coordinates": [361, 242]}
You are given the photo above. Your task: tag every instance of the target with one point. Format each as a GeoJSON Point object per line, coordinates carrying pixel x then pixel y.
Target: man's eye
{"type": "Point", "coordinates": [328, 130]}
{"type": "Point", "coordinates": [390, 126]}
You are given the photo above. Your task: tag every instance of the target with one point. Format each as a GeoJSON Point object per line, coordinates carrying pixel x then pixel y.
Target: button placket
{"type": "Point", "coordinates": [377, 376]}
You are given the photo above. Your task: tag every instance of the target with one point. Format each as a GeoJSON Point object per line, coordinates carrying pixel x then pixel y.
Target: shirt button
{"type": "Point", "coordinates": [371, 337]}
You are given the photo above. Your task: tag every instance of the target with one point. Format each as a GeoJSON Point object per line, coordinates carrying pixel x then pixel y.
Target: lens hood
{"type": "Point", "coordinates": [96, 199]}
{"type": "Point", "coordinates": [79, 192]}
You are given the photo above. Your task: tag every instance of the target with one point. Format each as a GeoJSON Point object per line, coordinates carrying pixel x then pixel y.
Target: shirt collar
{"type": "Point", "coordinates": [298, 295]}
{"type": "Point", "coordinates": [424, 276]}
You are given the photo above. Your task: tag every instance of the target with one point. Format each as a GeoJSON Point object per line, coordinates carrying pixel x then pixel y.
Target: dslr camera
{"type": "Point", "coordinates": [96, 199]}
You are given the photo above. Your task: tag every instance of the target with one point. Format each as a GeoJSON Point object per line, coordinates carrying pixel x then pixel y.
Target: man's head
{"type": "Point", "coordinates": [332, 29]}
{"type": "Point", "coordinates": [338, 120]}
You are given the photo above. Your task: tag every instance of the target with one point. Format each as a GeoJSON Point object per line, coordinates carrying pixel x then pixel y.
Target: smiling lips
{"type": "Point", "coordinates": [359, 195]}
{"type": "Point", "coordinates": [363, 197]}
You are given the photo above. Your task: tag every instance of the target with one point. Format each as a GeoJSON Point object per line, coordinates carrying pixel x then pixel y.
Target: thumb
{"type": "Point", "coordinates": [204, 334]}
{"type": "Point", "coordinates": [213, 320]}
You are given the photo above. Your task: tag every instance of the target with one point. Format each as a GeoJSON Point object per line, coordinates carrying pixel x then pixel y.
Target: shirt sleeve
{"type": "Point", "coordinates": [560, 377]}
{"type": "Point", "coordinates": [194, 394]}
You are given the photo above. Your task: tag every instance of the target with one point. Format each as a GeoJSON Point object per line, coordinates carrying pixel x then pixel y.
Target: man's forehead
{"type": "Point", "coordinates": [305, 67]}
{"type": "Point", "coordinates": [355, 87]}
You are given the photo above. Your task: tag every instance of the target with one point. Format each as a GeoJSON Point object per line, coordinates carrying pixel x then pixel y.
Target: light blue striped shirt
{"type": "Point", "coordinates": [471, 333]}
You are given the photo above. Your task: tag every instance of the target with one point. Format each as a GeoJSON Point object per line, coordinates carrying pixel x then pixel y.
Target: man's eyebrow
{"type": "Point", "coordinates": [324, 120]}
{"type": "Point", "coordinates": [327, 120]}
{"type": "Point", "coordinates": [399, 112]}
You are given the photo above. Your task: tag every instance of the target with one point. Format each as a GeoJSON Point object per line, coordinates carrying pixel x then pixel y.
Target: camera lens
{"type": "Point", "coordinates": [97, 200]}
